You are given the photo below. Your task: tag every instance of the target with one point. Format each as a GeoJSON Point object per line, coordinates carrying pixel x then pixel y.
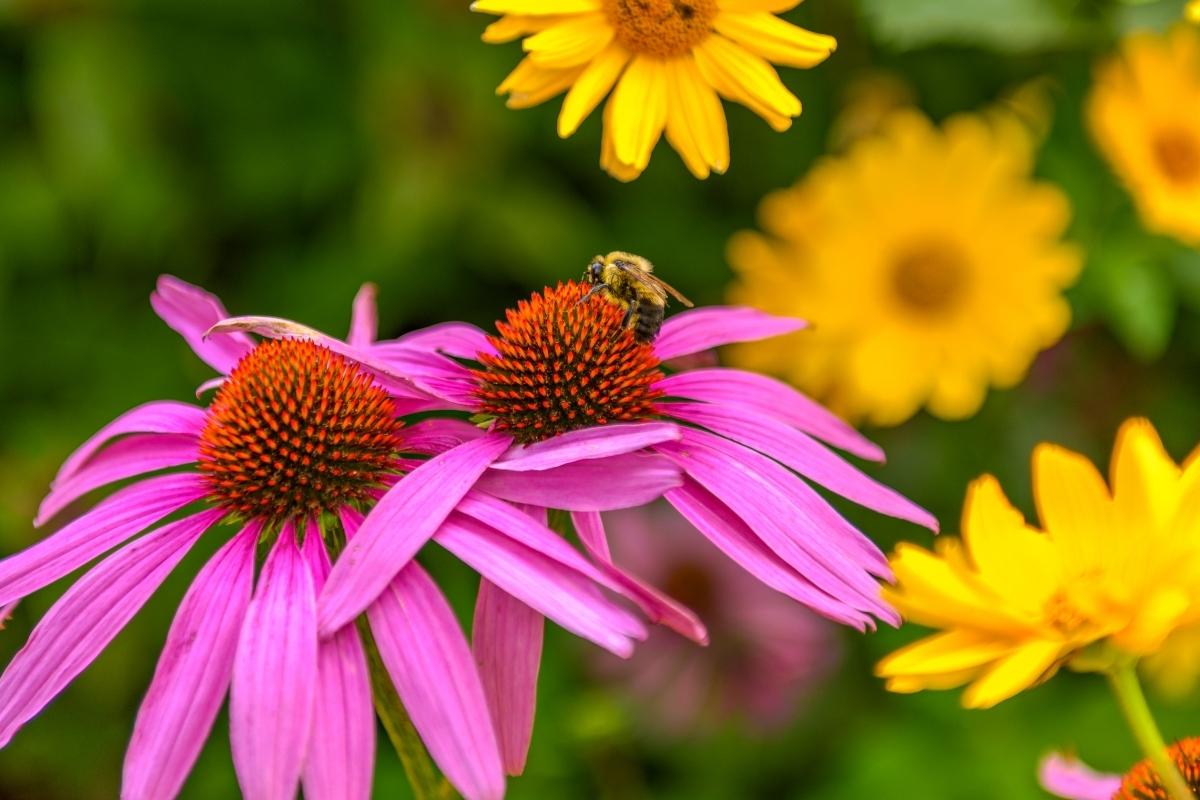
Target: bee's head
{"type": "Point", "coordinates": [594, 271]}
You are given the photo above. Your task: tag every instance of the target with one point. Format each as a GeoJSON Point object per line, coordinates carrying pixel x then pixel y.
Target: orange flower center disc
{"type": "Point", "coordinates": [664, 28]}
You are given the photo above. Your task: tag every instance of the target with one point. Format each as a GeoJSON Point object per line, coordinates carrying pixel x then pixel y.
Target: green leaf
{"type": "Point", "coordinates": [1140, 303]}
{"type": "Point", "coordinates": [1001, 24]}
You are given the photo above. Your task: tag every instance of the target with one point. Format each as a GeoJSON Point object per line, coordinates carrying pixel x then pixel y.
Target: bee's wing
{"type": "Point", "coordinates": [660, 284]}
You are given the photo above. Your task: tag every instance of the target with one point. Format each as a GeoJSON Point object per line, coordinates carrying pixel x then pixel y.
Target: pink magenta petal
{"type": "Point", "coordinates": [457, 339]}
{"type": "Point", "coordinates": [557, 592]}
{"type": "Point", "coordinates": [192, 675]}
{"type": "Point", "coordinates": [275, 676]}
{"type": "Point", "coordinates": [658, 607]}
{"type": "Point", "coordinates": [806, 456]}
{"type": "Point", "coordinates": [588, 443]}
{"type": "Point", "coordinates": [85, 619]}
{"type": "Point", "coordinates": [433, 373]}
{"type": "Point", "coordinates": [754, 393]}
{"type": "Point", "coordinates": [431, 666]}
{"type": "Point", "coordinates": [507, 641]}
{"type": "Point", "coordinates": [437, 435]}
{"type": "Point", "coordinates": [399, 524]}
{"type": "Point", "coordinates": [165, 416]}
{"type": "Point", "coordinates": [705, 328]}
{"type": "Point", "coordinates": [598, 484]}
{"type": "Point", "coordinates": [341, 752]}
{"type": "Point", "coordinates": [134, 455]}
{"type": "Point", "coordinates": [746, 483]}
{"type": "Point", "coordinates": [190, 311]}
{"type": "Point", "coordinates": [1071, 779]}
{"type": "Point", "coordinates": [111, 522]}
{"type": "Point", "coordinates": [364, 318]}
{"type": "Point", "coordinates": [725, 529]}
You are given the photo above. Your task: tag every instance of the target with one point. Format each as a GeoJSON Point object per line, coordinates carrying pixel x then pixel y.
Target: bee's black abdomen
{"type": "Point", "coordinates": [649, 319]}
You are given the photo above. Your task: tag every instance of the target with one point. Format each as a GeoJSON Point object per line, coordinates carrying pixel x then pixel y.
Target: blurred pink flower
{"type": "Point", "coordinates": [1071, 779]}
{"type": "Point", "coordinates": [765, 655]}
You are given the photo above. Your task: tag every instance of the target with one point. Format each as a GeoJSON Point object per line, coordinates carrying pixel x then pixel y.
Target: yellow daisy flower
{"type": "Point", "coordinates": [1142, 114]}
{"type": "Point", "coordinates": [664, 62]}
{"type": "Point", "coordinates": [928, 261]}
{"type": "Point", "coordinates": [1109, 576]}
{"type": "Point", "coordinates": [1193, 11]}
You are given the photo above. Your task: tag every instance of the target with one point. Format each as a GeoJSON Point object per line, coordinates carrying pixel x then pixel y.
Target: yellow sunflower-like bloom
{"type": "Point", "coordinates": [928, 261]}
{"type": "Point", "coordinates": [664, 61]}
{"type": "Point", "coordinates": [1109, 576]}
{"type": "Point", "coordinates": [1193, 11]}
{"type": "Point", "coordinates": [1142, 112]}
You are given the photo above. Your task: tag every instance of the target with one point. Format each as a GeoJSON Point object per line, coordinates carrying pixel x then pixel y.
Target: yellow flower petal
{"type": "Point", "coordinates": [528, 84]}
{"type": "Point", "coordinates": [696, 115]}
{"type": "Point", "coordinates": [608, 151]}
{"type": "Point", "coordinates": [1014, 559]}
{"type": "Point", "coordinates": [777, 41]}
{"type": "Point", "coordinates": [639, 111]}
{"type": "Point", "coordinates": [951, 652]}
{"type": "Point", "coordinates": [514, 26]}
{"type": "Point", "coordinates": [535, 7]}
{"type": "Point", "coordinates": [1072, 501]}
{"type": "Point", "coordinates": [590, 87]}
{"type": "Point", "coordinates": [571, 43]}
{"type": "Point", "coordinates": [745, 78]}
{"type": "Point", "coordinates": [1145, 479]}
{"type": "Point", "coordinates": [750, 6]}
{"type": "Point", "coordinates": [1157, 617]}
{"type": "Point", "coordinates": [1023, 668]}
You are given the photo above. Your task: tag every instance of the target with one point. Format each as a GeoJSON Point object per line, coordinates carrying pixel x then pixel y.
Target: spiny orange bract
{"type": "Point", "coordinates": [562, 365]}
{"type": "Point", "coordinates": [297, 429]}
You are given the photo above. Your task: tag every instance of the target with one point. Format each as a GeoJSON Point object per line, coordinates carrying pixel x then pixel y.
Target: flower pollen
{"type": "Point", "coordinates": [1142, 782]}
{"type": "Point", "coordinates": [929, 279]}
{"type": "Point", "coordinates": [297, 429]}
{"type": "Point", "coordinates": [662, 28]}
{"type": "Point", "coordinates": [562, 365]}
{"type": "Point", "coordinates": [1178, 155]}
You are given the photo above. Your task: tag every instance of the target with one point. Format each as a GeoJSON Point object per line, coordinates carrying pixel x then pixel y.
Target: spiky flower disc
{"type": "Point", "coordinates": [563, 365]}
{"type": "Point", "coordinates": [1142, 782]}
{"type": "Point", "coordinates": [297, 429]}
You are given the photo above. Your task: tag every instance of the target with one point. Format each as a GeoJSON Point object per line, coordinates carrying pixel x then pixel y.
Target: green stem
{"type": "Point", "coordinates": [422, 775]}
{"type": "Point", "coordinates": [1124, 682]}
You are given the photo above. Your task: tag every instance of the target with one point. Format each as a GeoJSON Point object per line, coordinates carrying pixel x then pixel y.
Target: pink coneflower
{"type": "Point", "coordinates": [1071, 779]}
{"type": "Point", "coordinates": [765, 655]}
{"type": "Point", "coordinates": [299, 442]}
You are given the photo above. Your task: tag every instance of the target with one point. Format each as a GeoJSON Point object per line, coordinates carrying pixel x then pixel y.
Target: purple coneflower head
{"type": "Point", "coordinates": [764, 658]}
{"type": "Point", "coordinates": [299, 444]}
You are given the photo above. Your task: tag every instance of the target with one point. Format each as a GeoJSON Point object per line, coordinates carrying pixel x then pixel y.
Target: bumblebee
{"type": "Point", "coordinates": [630, 282]}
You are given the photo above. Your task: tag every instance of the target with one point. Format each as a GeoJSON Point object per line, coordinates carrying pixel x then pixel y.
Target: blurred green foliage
{"type": "Point", "coordinates": [283, 153]}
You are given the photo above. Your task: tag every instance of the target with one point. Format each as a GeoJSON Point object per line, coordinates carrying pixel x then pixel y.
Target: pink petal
{"type": "Point", "coordinates": [760, 394]}
{"type": "Point", "coordinates": [431, 666]}
{"type": "Point", "coordinates": [192, 675]}
{"type": "Point", "coordinates": [114, 520]}
{"type": "Point", "coordinates": [85, 619]}
{"type": "Point", "coordinates": [725, 529]}
{"type": "Point", "coordinates": [658, 607]}
{"type": "Point", "coordinates": [341, 751]}
{"type": "Point", "coordinates": [437, 435]}
{"type": "Point", "coordinates": [806, 456]}
{"type": "Point", "coordinates": [190, 311]}
{"type": "Point", "coordinates": [134, 455]}
{"type": "Point", "coordinates": [431, 372]}
{"type": "Point", "coordinates": [597, 441]}
{"type": "Point", "coordinates": [164, 416]}
{"type": "Point", "coordinates": [557, 592]}
{"type": "Point", "coordinates": [598, 484]}
{"type": "Point", "coordinates": [1071, 779]}
{"type": "Point", "coordinates": [457, 339]}
{"type": "Point", "coordinates": [364, 318]}
{"type": "Point", "coordinates": [275, 676]}
{"type": "Point", "coordinates": [507, 641]}
{"type": "Point", "coordinates": [705, 328]}
{"type": "Point", "coordinates": [399, 525]}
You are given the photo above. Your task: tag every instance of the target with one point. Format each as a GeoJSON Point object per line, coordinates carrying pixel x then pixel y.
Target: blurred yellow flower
{"type": "Point", "coordinates": [1109, 576]}
{"type": "Point", "coordinates": [668, 61]}
{"type": "Point", "coordinates": [1143, 114]}
{"type": "Point", "coordinates": [928, 261]}
{"type": "Point", "coordinates": [1193, 11]}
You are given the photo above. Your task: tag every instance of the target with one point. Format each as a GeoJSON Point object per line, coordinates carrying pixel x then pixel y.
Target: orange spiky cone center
{"type": "Point", "coordinates": [1143, 783]}
{"type": "Point", "coordinates": [562, 365]}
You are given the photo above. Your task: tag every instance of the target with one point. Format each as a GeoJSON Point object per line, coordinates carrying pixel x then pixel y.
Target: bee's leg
{"type": "Point", "coordinates": [599, 287]}
{"type": "Point", "coordinates": [629, 314]}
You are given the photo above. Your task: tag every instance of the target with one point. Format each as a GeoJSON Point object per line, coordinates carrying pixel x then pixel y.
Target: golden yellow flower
{"type": "Point", "coordinates": [1110, 575]}
{"type": "Point", "coordinates": [928, 261]}
{"type": "Point", "coordinates": [1193, 11]}
{"type": "Point", "coordinates": [664, 61]}
{"type": "Point", "coordinates": [1142, 114]}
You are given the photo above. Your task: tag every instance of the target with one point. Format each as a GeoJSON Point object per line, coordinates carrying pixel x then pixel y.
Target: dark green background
{"type": "Point", "coordinates": [281, 153]}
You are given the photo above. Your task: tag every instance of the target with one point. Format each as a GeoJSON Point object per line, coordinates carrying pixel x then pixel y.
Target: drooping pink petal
{"type": "Point", "coordinates": [725, 529]}
{"type": "Point", "coordinates": [275, 676]}
{"type": "Point", "coordinates": [755, 393]}
{"type": "Point", "coordinates": [507, 641]}
{"type": "Point", "coordinates": [364, 318]}
{"type": "Point", "coordinates": [437, 435]}
{"type": "Point", "coordinates": [190, 311]}
{"type": "Point", "coordinates": [163, 416]}
{"type": "Point", "coordinates": [658, 607]}
{"type": "Point", "coordinates": [431, 372]}
{"type": "Point", "coordinates": [111, 522]}
{"type": "Point", "coordinates": [192, 675]}
{"type": "Point", "coordinates": [796, 450]}
{"type": "Point", "coordinates": [705, 328]}
{"type": "Point", "coordinates": [457, 339]}
{"type": "Point", "coordinates": [399, 524]}
{"type": "Point", "coordinates": [598, 484]}
{"type": "Point", "coordinates": [557, 592]}
{"type": "Point", "coordinates": [1073, 780]}
{"type": "Point", "coordinates": [137, 454]}
{"type": "Point", "coordinates": [430, 663]}
{"type": "Point", "coordinates": [88, 616]}
{"type": "Point", "coordinates": [587, 443]}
